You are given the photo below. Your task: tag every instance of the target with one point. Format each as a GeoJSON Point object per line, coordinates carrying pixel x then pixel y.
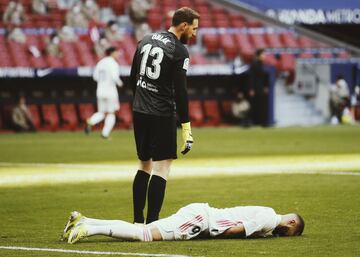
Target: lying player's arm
{"type": "Point", "coordinates": [234, 232]}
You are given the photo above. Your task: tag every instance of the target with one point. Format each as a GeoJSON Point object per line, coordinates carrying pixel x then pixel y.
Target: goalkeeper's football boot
{"type": "Point", "coordinates": [74, 219]}
{"type": "Point", "coordinates": [77, 233]}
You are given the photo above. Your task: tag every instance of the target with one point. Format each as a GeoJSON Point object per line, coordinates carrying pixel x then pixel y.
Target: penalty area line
{"type": "Point", "coordinates": [89, 252]}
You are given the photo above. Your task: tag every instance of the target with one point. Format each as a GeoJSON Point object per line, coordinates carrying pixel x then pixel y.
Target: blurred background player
{"type": "Point", "coordinates": [21, 117]}
{"type": "Point", "coordinates": [107, 76]}
{"type": "Point", "coordinates": [259, 89]}
{"type": "Point", "coordinates": [339, 99]}
{"type": "Point", "coordinates": [240, 109]}
{"type": "Point", "coordinates": [158, 79]}
{"type": "Point", "coordinates": [192, 221]}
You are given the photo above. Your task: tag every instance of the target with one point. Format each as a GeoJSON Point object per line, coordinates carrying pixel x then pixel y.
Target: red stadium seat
{"type": "Point", "coordinates": [246, 48]}
{"type": "Point", "coordinates": [196, 113]}
{"type": "Point", "coordinates": [325, 55]}
{"type": "Point", "coordinates": [289, 40]}
{"type": "Point", "coordinates": [197, 58]}
{"type": "Point", "coordinates": [306, 42]}
{"type": "Point", "coordinates": [68, 116]}
{"type": "Point", "coordinates": [287, 64]}
{"type": "Point", "coordinates": [70, 57]}
{"type": "Point", "coordinates": [273, 40]}
{"type": "Point", "coordinates": [211, 42]}
{"type": "Point", "coordinates": [124, 116]}
{"type": "Point", "coordinates": [254, 24]}
{"type": "Point", "coordinates": [85, 111]}
{"type": "Point", "coordinates": [357, 112]}
{"type": "Point", "coordinates": [258, 40]}
{"type": "Point", "coordinates": [270, 59]}
{"type": "Point", "coordinates": [6, 115]}
{"type": "Point", "coordinates": [51, 117]}
{"type": "Point", "coordinates": [227, 43]}
{"type": "Point", "coordinates": [155, 18]}
{"type": "Point", "coordinates": [84, 53]}
{"type": "Point", "coordinates": [54, 62]}
{"type": "Point", "coordinates": [226, 110]}
{"type": "Point", "coordinates": [344, 54]}
{"type": "Point", "coordinates": [212, 113]}
{"type": "Point", "coordinates": [306, 55]}
{"type": "Point", "coordinates": [35, 114]}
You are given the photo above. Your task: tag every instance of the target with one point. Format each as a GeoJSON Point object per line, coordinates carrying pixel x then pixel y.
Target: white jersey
{"type": "Point", "coordinates": [255, 219]}
{"type": "Point", "coordinates": [107, 76]}
{"type": "Point", "coordinates": [199, 218]}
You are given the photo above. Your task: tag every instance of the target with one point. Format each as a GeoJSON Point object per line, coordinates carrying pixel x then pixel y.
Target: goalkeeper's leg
{"type": "Point", "coordinates": [156, 191]}
{"type": "Point", "coordinates": [140, 188]}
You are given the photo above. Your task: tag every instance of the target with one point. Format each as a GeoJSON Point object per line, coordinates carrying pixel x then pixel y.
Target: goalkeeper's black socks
{"type": "Point", "coordinates": [140, 186]}
{"type": "Point", "coordinates": [156, 195]}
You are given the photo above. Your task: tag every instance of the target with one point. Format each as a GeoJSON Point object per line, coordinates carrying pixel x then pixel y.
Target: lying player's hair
{"type": "Point", "coordinates": [184, 14]}
{"type": "Point", "coordinates": [110, 50]}
{"type": "Point", "coordinates": [301, 225]}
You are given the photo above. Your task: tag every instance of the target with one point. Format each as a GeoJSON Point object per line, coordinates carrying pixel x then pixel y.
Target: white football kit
{"type": "Point", "coordinates": [107, 76]}
{"type": "Point", "coordinates": [200, 218]}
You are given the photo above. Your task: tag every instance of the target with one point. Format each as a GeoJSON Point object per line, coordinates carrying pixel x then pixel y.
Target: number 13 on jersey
{"type": "Point", "coordinates": [152, 72]}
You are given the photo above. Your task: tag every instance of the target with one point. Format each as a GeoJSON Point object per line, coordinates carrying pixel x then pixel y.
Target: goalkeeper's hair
{"type": "Point", "coordinates": [184, 14]}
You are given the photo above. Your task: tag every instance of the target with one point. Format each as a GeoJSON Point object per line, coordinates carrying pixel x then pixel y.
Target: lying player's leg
{"type": "Point", "coordinates": [113, 228]}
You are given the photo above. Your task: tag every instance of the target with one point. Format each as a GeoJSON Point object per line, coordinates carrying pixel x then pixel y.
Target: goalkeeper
{"type": "Point", "coordinates": [158, 81]}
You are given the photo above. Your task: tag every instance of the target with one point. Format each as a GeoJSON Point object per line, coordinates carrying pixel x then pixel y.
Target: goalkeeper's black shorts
{"type": "Point", "coordinates": [155, 137]}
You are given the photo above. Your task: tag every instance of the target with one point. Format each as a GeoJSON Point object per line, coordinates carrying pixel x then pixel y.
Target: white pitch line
{"type": "Point", "coordinates": [42, 173]}
{"type": "Point", "coordinates": [88, 252]}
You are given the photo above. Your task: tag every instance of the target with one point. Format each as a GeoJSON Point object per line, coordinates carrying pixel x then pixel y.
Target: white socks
{"type": "Point", "coordinates": [109, 124]}
{"type": "Point", "coordinates": [96, 118]}
{"type": "Point", "coordinates": [117, 229]}
{"type": "Point", "coordinates": [110, 121]}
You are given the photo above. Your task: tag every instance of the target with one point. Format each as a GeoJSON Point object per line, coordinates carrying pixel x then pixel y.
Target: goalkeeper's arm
{"type": "Point", "coordinates": [182, 107]}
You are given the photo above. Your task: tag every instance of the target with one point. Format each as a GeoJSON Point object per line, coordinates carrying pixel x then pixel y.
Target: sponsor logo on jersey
{"type": "Point", "coordinates": [143, 84]}
{"type": "Point", "coordinates": [186, 64]}
{"type": "Point", "coordinates": [160, 38]}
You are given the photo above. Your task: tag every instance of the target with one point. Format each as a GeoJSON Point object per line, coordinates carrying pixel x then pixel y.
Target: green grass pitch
{"type": "Point", "coordinates": [34, 215]}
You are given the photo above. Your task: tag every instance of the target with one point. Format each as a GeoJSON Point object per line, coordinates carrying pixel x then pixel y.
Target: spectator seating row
{"type": "Point", "coordinates": [74, 54]}
{"type": "Point", "coordinates": [80, 53]}
{"type": "Point", "coordinates": [65, 116]}
{"type": "Point", "coordinates": [211, 17]}
{"type": "Point", "coordinates": [55, 17]}
{"type": "Point", "coordinates": [69, 116]}
{"type": "Point", "coordinates": [210, 112]}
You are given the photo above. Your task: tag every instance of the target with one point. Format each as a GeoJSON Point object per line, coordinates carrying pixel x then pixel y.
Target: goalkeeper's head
{"type": "Point", "coordinates": [186, 22]}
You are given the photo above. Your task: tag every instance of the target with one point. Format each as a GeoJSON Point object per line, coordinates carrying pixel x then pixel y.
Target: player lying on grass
{"type": "Point", "coordinates": [191, 221]}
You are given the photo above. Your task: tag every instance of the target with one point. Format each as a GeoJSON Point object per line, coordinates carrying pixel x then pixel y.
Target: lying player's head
{"type": "Point", "coordinates": [291, 225]}
{"type": "Point", "coordinates": [186, 20]}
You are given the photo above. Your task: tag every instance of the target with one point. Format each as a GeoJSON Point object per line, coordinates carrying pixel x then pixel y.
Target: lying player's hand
{"type": "Point", "coordinates": [187, 138]}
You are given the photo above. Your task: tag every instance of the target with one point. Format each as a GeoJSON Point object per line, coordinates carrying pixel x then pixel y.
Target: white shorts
{"type": "Point", "coordinates": [187, 223]}
{"type": "Point", "coordinates": [109, 105]}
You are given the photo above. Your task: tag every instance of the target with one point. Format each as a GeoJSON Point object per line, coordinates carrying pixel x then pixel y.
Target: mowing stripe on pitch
{"type": "Point", "coordinates": [43, 173]}
{"type": "Point", "coordinates": [18, 248]}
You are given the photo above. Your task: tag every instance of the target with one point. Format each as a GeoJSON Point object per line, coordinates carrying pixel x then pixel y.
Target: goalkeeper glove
{"type": "Point", "coordinates": [187, 137]}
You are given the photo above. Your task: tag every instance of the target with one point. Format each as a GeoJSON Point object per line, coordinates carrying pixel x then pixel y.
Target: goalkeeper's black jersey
{"type": "Point", "coordinates": [158, 76]}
